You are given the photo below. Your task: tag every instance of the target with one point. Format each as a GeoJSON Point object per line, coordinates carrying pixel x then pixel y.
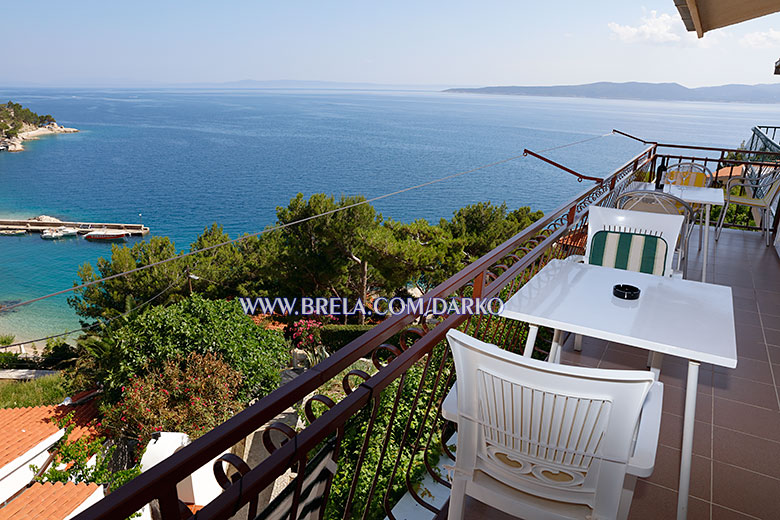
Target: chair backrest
{"type": "Point", "coordinates": [632, 240]}
{"type": "Point", "coordinates": [771, 191]}
{"type": "Point", "coordinates": [688, 174]}
{"type": "Point", "coordinates": [766, 182]}
{"type": "Point", "coordinates": [560, 432]}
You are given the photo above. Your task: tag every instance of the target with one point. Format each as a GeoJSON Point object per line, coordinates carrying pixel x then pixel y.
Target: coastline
{"type": "Point", "coordinates": [15, 144]}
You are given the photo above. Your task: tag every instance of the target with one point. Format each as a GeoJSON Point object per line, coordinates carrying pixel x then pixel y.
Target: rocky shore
{"type": "Point", "coordinates": [14, 144]}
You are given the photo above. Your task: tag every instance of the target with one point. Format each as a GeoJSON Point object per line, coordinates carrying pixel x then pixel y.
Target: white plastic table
{"type": "Point", "coordinates": [672, 316]}
{"type": "Point", "coordinates": [698, 195]}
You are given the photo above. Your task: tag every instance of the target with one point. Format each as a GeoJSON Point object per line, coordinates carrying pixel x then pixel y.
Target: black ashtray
{"type": "Point", "coordinates": [626, 292]}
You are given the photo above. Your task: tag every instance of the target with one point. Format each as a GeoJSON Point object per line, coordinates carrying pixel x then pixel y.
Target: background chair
{"type": "Point", "coordinates": [664, 204]}
{"type": "Point", "coordinates": [759, 194]}
{"type": "Point", "coordinates": [688, 174]}
{"type": "Point", "coordinates": [546, 441]}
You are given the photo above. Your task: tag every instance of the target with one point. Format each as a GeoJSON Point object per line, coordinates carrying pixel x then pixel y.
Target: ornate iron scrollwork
{"type": "Point", "coordinates": [234, 460]}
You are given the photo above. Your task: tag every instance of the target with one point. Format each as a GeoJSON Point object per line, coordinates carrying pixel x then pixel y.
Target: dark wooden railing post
{"type": "Point", "coordinates": [169, 503]}
{"type": "Point", "coordinates": [479, 284]}
{"type": "Point", "coordinates": [572, 213]}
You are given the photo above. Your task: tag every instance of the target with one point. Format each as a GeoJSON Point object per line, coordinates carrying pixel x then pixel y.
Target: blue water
{"type": "Point", "coordinates": [185, 159]}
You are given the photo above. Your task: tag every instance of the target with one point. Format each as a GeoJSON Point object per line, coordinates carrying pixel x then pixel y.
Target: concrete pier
{"type": "Point", "coordinates": [38, 226]}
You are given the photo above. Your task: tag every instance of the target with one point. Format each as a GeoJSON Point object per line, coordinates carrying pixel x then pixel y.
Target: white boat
{"type": "Point", "coordinates": [51, 234]}
{"type": "Point", "coordinates": [12, 232]}
{"type": "Point", "coordinates": [105, 235]}
{"type": "Point", "coordinates": [68, 231]}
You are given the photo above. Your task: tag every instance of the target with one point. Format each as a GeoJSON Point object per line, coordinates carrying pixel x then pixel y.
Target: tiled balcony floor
{"type": "Point", "coordinates": [736, 462]}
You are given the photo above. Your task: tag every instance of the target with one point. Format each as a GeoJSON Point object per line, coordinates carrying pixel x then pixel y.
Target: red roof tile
{"type": "Point", "coordinates": [729, 171]}
{"type": "Point", "coordinates": [47, 501]}
{"type": "Point", "coordinates": [21, 429]}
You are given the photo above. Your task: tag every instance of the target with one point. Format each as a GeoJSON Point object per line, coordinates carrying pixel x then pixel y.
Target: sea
{"type": "Point", "coordinates": [178, 160]}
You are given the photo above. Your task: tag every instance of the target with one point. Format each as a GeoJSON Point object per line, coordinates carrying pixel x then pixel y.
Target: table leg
{"type": "Point", "coordinates": [687, 440]}
{"type": "Point", "coordinates": [555, 348]}
{"type": "Point", "coordinates": [706, 240]}
{"type": "Point", "coordinates": [578, 342]}
{"type": "Point", "coordinates": [655, 361]}
{"type": "Point", "coordinates": [529, 342]}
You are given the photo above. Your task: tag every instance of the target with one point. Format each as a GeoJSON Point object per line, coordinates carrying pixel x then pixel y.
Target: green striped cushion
{"type": "Point", "coordinates": [630, 251]}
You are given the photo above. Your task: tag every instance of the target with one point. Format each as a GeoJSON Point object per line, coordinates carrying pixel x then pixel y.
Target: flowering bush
{"type": "Point", "coordinates": [304, 334]}
{"type": "Point", "coordinates": [190, 395]}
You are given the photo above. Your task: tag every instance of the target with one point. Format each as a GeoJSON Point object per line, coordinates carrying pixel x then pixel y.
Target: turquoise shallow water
{"type": "Point", "coordinates": [187, 158]}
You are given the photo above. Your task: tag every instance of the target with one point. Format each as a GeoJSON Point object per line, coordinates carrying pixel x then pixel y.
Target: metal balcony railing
{"type": "Point", "coordinates": [386, 432]}
{"type": "Point", "coordinates": [755, 161]}
{"type": "Point", "coordinates": [764, 139]}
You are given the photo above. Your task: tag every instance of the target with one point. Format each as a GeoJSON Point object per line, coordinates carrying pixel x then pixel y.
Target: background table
{"type": "Point", "coordinates": [697, 195]}
{"type": "Point", "coordinates": [672, 316]}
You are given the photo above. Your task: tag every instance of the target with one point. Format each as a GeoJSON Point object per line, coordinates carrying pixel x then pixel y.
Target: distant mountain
{"type": "Point", "coordinates": [766, 93]}
{"type": "Point", "coordinates": [303, 84]}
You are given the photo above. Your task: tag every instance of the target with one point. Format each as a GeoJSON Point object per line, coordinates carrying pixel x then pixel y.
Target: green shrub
{"type": "Point", "coordinates": [6, 339]}
{"type": "Point", "coordinates": [10, 360]}
{"type": "Point", "coordinates": [54, 357]}
{"type": "Point", "coordinates": [71, 461]}
{"type": "Point", "coordinates": [57, 354]}
{"type": "Point", "coordinates": [192, 325]}
{"type": "Point", "coordinates": [190, 394]}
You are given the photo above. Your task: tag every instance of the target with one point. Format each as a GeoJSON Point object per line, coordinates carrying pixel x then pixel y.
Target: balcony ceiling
{"type": "Point", "coordinates": [705, 15]}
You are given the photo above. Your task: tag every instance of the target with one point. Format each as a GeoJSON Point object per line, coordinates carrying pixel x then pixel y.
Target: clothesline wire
{"type": "Point", "coordinates": [92, 326]}
{"type": "Point", "coordinates": [292, 223]}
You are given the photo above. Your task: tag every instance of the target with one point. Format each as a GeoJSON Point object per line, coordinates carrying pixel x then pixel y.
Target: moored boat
{"type": "Point", "coordinates": [105, 235]}
{"type": "Point", "coordinates": [12, 232]}
{"type": "Point", "coordinates": [51, 234]}
{"type": "Point", "coordinates": [68, 231]}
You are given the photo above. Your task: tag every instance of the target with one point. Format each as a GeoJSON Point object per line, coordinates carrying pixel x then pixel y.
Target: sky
{"type": "Point", "coordinates": [444, 43]}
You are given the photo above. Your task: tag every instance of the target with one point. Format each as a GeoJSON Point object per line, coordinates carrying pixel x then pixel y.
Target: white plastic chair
{"type": "Point", "coordinates": [546, 441]}
{"type": "Point", "coordinates": [667, 227]}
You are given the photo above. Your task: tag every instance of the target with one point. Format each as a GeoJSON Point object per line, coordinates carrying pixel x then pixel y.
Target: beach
{"type": "Point", "coordinates": [15, 144]}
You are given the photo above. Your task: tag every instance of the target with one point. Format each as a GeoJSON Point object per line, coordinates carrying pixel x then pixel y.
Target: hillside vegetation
{"type": "Point", "coordinates": [14, 118]}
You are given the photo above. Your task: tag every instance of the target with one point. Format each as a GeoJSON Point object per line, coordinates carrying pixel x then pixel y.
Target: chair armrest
{"type": "Point", "coordinates": [577, 259]}
{"type": "Point", "coordinates": [449, 407]}
{"type": "Point", "coordinates": [742, 181]}
{"type": "Point", "coordinates": [642, 461]}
